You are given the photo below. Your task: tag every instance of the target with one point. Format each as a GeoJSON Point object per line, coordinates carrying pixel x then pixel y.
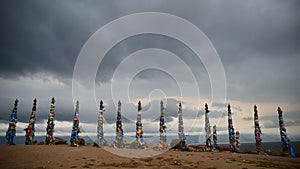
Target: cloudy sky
{"type": "Point", "coordinates": [257, 41]}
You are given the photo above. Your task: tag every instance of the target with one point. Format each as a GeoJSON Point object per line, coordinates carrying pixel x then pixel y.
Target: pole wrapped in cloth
{"type": "Point", "coordinates": [181, 135]}
{"type": "Point", "coordinates": [11, 131]}
{"type": "Point", "coordinates": [75, 128]}
{"type": "Point", "coordinates": [50, 124]}
{"type": "Point", "coordinates": [119, 143]}
{"type": "Point", "coordinates": [231, 132]}
{"type": "Point", "coordinates": [237, 141]}
{"type": "Point", "coordinates": [285, 139]}
{"type": "Point", "coordinates": [215, 138]}
{"type": "Point", "coordinates": [208, 145]}
{"type": "Point", "coordinates": [30, 130]}
{"type": "Point", "coordinates": [139, 127]}
{"type": "Point", "coordinates": [162, 128]}
{"type": "Point", "coordinates": [100, 132]}
{"type": "Point", "coordinates": [257, 132]}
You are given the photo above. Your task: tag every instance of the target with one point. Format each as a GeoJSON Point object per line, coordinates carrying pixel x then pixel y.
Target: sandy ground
{"type": "Point", "coordinates": [64, 156]}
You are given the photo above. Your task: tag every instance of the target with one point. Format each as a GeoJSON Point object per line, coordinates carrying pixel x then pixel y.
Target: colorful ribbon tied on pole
{"type": "Point", "coordinates": [285, 139]}
{"type": "Point", "coordinates": [50, 124]}
{"type": "Point", "coordinates": [182, 139]}
{"type": "Point", "coordinates": [215, 138]}
{"type": "Point", "coordinates": [208, 146]}
{"type": "Point", "coordinates": [162, 128]}
{"type": "Point", "coordinates": [139, 126]}
{"type": "Point", "coordinates": [30, 130]}
{"type": "Point", "coordinates": [231, 132]}
{"type": "Point", "coordinates": [100, 132]}
{"type": "Point", "coordinates": [237, 141]}
{"type": "Point", "coordinates": [11, 131]}
{"type": "Point", "coordinates": [75, 128]}
{"type": "Point", "coordinates": [257, 132]}
{"type": "Point", "coordinates": [119, 130]}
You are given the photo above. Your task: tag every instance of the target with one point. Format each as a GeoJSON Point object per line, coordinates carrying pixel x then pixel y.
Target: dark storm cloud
{"type": "Point", "coordinates": [43, 36]}
{"type": "Point", "coordinates": [49, 36]}
{"type": "Point", "coordinates": [257, 29]}
{"type": "Point", "coordinates": [138, 42]}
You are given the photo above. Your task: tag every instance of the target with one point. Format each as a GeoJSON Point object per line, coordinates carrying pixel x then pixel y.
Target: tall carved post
{"type": "Point", "coordinates": [139, 126]}
{"type": "Point", "coordinates": [182, 143]}
{"type": "Point", "coordinates": [215, 138]}
{"type": "Point", "coordinates": [237, 141]}
{"type": "Point", "coordinates": [119, 130]}
{"type": "Point", "coordinates": [231, 131]}
{"type": "Point", "coordinates": [208, 145]}
{"type": "Point", "coordinates": [100, 132]}
{"type": "Point", "coordinates": [75, 129]}
{"type": "Point", "coordinates": [30, 130]}
{"type": "Point", "coordinates": [257, 131]}
{"type": "Point", "coordinates": [11, 131]}
{"type": "Point", "coordinates": [50, 124]}
{"type": "Point", "coordinates": [162, 128]}
{"type": "Point", "coordinates": [285, 140]}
